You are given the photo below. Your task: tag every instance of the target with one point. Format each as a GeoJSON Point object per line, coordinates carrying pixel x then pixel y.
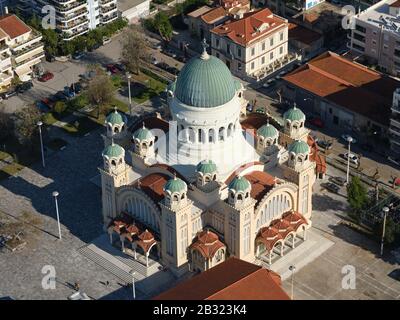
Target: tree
{"type": "Point", "coordinates": [100, 90]}
{"type": "Point", "coordinates": [60, 107]}
{"type": "Point", "coordinates": [357, 197]}
{"type": "Point", "coordinates": [134, 49]}
{"type": "Point", "coordinates": [6, 124]}
{"type": "Point", "coordinates": [163, 26]}
{"type": "Point", "coordinates": [392, 230]}
{"type": "Point", "coordinates": [26, 124]}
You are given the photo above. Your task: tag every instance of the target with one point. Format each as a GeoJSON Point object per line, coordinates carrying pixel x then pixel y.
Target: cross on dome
{"type": "Point", "coordinates": [204, 55]}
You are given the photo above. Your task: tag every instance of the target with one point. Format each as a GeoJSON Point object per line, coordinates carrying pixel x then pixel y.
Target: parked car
{"type": "Point", "coordinates": [42, 106]}
{"type": "Point", "coordinates": [112, 68]}
{"type": "Point", "coordinates": [60, 96]}
{"type": "Point", "coordinates": [106, 40]}
{"type": "Point", "coordinates": [46, 77]}
{"type": "Point", "coordinates": [170, 53]}
{"type": "Point", "coordinates": [10, 93]}
{"type": "Point", "coordinates": [269, 83]}
{"type": "Point", "coordinates": [76, 87]}
{"type": "Point", "coordinates": [352, 157]}
{"type": "Point", "coordinates": [50, 58]}
{"type": "Point", "coordinates": [50, 102]}
{"type": "Point", "coordinates": [327, 145]}
{"type": "Point", "coordinates": [173, 70]}
{"type": "Point", "coordinates": [24, 86]}
{"type": "Point", "coordinates": [68, 92]}
{"type": "Point", "coordinates": [331, 187]}
{"type": "Point", "coordinates": [121, 67]}
{"type": "Point", "coordinates": [181, 59]}
{"type": "Point", "coordinates": [345, 137]}
{"type": "Point", "coordinates": [162, 65]}
{"type": "Point", "coordinates": [316, 122]}
{"type": "Point", "coordinates": [78, 55]}
{"type": "Point", "coordinates": [340, 181]}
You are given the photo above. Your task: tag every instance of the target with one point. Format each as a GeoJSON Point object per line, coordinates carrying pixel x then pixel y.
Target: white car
{"type": "Point", "coordinates": [106, 40]}
{"type": "Point", "coordinates": [268, 83]}
{"type": "Point", "coordinates": [352, 157]}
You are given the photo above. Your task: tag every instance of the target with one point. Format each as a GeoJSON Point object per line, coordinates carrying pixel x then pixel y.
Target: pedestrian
{"type": "Point", "coordinates": [107, 283]}
{"type": "Point", "coordinates": [76, 286]}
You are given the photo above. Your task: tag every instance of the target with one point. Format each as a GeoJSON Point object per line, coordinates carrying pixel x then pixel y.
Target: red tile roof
{"type": "Point", "coordinates": [261, 183]}
{"type": "Point", "coordinates": [153, 185]}
{"type": "Point", "coordinates": [347, 84]}
{"type": "Point", "coordinates": [302, 34]}
{"type": "Point", "coordinates": [395, 4]}
{"type": "Point", "coordinates": [252, 26]}
{"type": "Point", "coordinates": [232, 279]}
{"type": "Point", "coordinates": [214, 15]}
{"type": "Point", "coordinates": [13, 26]}
{"type": "Point", "coordinates": [207, 243]}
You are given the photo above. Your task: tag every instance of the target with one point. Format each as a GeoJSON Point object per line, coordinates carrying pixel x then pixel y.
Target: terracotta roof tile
{"type": "Point", "coordinates": [13, 26]}
{"type": "Point", "coordinates": [261, 183]}
{"type": "Point", "coordinates": [245, 30]}
{"type": "Point", "coordinates": [233, 279]}
{"type": "Point", "coordinates": [214, 15]}
{"type": "Point", "coordinates": [153, 185]}
{"type": "Point", "coordinates": [347, 84]}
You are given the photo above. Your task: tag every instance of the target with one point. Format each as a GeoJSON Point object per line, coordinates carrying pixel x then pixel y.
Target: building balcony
{"type": "Point", "coordinates": [34, 38]}
{"type": "Point", "coordinates": [107, 19]}
{"type": "Point", "coordinates": [74, 24]}
{"type": "Point", "coordinates": [27, 55]}
{"type": "Point", "coordinates": [32, 60]}
{"type": "Point", "coordinates": [67, 36]}
{"type": "Point", "coordinates": [6, 78]}
{"type": "Point", "coordinates": [27, 49]}
{"type": "Point", "coordinates": [104, 2]}
{"type": "Point", "coordinates": [106, 10]}
{"type": "Point", "coordinates": [75, 15]}
{"type": "Point", "coordinates": [71, 8]}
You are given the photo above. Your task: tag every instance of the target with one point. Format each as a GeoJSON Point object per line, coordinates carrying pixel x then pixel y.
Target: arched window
{"type": "Point", "coordinates": [191, 135]}
{"type": "Point", "coordinates": [230, 127]}
{"type": "Point", "coordinates": [113, 163]}
{"type": "Point", "coordinates": [239, 197]}
{"type": "Point", "coordinates": [211, 135]}
{"type": "Point", "coordinates": [175, 197]}
{"type": "Point", "coordinates": [221, 133]}
{"type": "Point", "coordinates": [116, 130]}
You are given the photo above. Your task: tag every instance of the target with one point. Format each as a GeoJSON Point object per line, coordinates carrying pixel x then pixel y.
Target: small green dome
{"type": "Point", "coordinates": [294, 114]}
{"type": "Point", "coordinates": [299, 147]}
{"type": "Point", "coordinates": [115, 118]}
{"type": "Point", "coordinates": [205, 82]}
{"type": "Point", "coordinates": [206, 166]}
{"type": "Point", "coordinates": [240, 184]}
{"type": "Point", "coordinates": [268, 131]}
{"type": "Point", "coordinates": [113, 151]}
{"type": "Point", "coordinates": [143, 134]}
{"type": "Point", "coordinates": [175, 185]}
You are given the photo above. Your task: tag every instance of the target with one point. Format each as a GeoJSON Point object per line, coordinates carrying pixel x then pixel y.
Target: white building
{"type": "Point", "coordinates": [21, 48]}
{"type": "Point", "coordinates": [204, 186]}
{"type": "Point", "coordinates": [74, 17]}
{"type": "Point", "coordinates": [134, 10]}
{"type": "Point", "coordinates": [251, 45]}
{"type": "Point", "coordinates": [376, 35]}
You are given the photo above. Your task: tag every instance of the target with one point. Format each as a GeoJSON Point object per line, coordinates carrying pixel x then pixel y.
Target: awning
{"type": "Point", "coordinates": [24, 73]}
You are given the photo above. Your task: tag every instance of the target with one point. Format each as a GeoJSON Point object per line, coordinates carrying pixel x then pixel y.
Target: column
{"type": "Point", "coordinates": [282, 245]}
{"type": "Point", "coordinates": [122, 244]}
{"type": "Point", "coordinates": [147, 259]}
{"type": "Point", "coordinates": [293, 241]}
{"type": "Point", "coordinates": [304, 234]}
{"type": "Point", "coordinates": [269, 253]}
{"type": "Point", "coordinates": [111, 238]}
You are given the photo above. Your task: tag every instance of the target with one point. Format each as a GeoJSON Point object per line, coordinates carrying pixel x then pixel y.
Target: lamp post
{"type": "Point", "coordinates": [293, 269]}
{"type": "Point", "coordinates": [133, 284]}
{"type": "Point", "coordinates": [129, 93]}
{"type": "Point", "coordinates": [385, 212]}
{"type": "Point", "coordinates": [55, 195]}
{"type": "Point", "coordinates": [349, 140]}
{"type": "Point", "coordinates": [40, 123]}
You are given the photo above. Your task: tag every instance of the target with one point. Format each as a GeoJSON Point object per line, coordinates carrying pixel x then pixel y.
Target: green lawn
{"type": "Point", "coordinates": [154, 88]}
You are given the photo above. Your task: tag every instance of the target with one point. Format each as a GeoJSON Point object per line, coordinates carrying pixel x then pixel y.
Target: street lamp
{"type": "Point", "coordinates": [293, 269]}
{"type": "Point", "coordinates": [133, 284]}
{"type": "Point", "coordinates": [55, 195]}
{"type": "Point", "coordinates": [349, 140]}
{"type": "Point", "coordinates": [385, 212]}
{"type": "Point", "coordinates": [40, 123]}
{"type": "Point", "coordinates": [129, 93]}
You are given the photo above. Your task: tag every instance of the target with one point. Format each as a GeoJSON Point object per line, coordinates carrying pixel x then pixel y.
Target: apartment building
{"type": "Point", "coordinates": [74, 17]}
{"type": "Point", "coordinates": [394, 128]}
{"type": "Point", "coordinates": [21, 49]}
{"type": "Point", "coordinates": [253, 44]}
{"type": "Point", "coordinates": [376, 35]}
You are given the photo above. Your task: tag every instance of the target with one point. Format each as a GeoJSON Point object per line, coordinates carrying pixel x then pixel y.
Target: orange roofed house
{"type": "Point", "coordinates": [233, 279]}
{"type": "Point", "coordinates": [252, 44]}
{"type": "Point", "coordinates": [202, 20]}
{"type": "Point", "coordinates": [20, 50]}
{"type": "Point", "coordinates": [344, 94]}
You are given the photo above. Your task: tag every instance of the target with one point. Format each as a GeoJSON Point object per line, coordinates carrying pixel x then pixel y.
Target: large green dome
{"type": "Point", "coordinates": [294, 114]}
{"type": "Point", "coordinates": [267, 131]}
{"type": "Point", "coordinates": [206, 166]}
{"type": "Point", "coordinates": [299, 147]}
{"type": "Point", "coordinates": [205, 82]}
{"type": "Point", "coordinates": [239, 184]}
{"type": "Point", "coordinates": [175, 185]}
{"type": "Point", "coordinates": [113, 151]}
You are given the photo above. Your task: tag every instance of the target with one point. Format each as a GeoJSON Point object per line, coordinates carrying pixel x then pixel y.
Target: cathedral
{"type": "Point", "coordinates": [210, 182]}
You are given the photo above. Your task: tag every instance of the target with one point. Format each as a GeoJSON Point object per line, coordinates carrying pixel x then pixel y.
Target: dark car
{"type": "Point", "coordinates": [60, 96]}
{"type": "Point", "coordinates": [68, 92]}
{"type": "Point", "coordinates": [163, 65]}
{"type": "Point", "coordinates": [50, 58]}
{"type": "Point", "coordinates": [76, 87]}
{"type": "Point", "coordinates": [327, 145]}
{"type": "Point", "coordinates": [10, 93]}
{"type": "Point", "coordinates": [331, 187]}
{"type": "Point", "coordinates": [43, 107]}
{"type": "Point", "coordinates": [78, 55]}
{"type": "Point", "coordinates": [338, 180]}
{"type": "Point", "coordinates": [121, 67]}
{"type": "Point", "coordinates": [173, 70]}
{"type": "Point", "coordinates": [25, 86]}
{"type": "Point", "coordinates": [112, 68]}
